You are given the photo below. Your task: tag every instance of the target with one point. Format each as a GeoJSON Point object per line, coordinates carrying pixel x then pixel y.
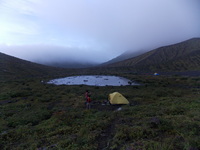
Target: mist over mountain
{"type": "Point", "coordinates": [177, 57]}
{"type": "Point", "coordinates": [89, 32]}
{"type": "Point", "coordinates": [56, 56]}
{"type": "Point", "coordinates": [43, 40]}
{"type": "Point", "coordinates": [14, 68]}
{"type": "Point", "coordinates": [124, 56]}
{"type": "Point", "coordinates": [70, 64]}
{"type": "Point", "coordinates": [184, 56]}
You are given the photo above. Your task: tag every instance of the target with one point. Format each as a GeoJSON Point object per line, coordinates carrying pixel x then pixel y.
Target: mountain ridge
{"type": "Point", "coordinates": [159, 58]}
{"type": "Point", "coordinates": [124, 56]}
{"type": "Point", "coordinates": [15, 68]}
{"type": "Point", "coordinates": [184, 56]}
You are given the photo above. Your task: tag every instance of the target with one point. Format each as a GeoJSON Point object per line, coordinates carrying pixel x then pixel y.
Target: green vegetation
{"type": "Point", "coordinates": [164, 115]}
{"type": "Point", "coordinates": [182, 56]}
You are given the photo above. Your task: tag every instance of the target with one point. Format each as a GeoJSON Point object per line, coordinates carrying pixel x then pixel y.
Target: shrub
{"type": "Point", "coordinates": [33, 117]}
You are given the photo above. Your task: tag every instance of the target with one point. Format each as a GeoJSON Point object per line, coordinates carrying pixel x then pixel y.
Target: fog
{"type": "Point", "coordinates": [93, 31]}
{"type": "Point", "coordinates": [46, 54]}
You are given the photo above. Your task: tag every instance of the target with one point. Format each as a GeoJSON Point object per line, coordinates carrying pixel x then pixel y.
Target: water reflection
{"type": "Point", "coordinates": [93, 80]}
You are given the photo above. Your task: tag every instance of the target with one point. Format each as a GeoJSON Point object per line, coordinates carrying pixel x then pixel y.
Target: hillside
{"type": "Point", "coordinates": [164, 111]}
{"type": "Point", "coordinates": [184, 56]}
{"type": "Point", "coordinates": [124, 56]}
{"type": "Point", "coordinates": [12, 68]}
{"type": "Point", "coordinates": [178, 57]}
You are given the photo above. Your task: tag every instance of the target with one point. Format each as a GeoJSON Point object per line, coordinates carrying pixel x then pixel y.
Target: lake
{"type": "Point", "coordinates": [93, 80]}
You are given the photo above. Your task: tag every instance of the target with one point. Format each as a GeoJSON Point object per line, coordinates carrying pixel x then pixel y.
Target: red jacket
{"type": "Point", "coordinates": [88, 99]}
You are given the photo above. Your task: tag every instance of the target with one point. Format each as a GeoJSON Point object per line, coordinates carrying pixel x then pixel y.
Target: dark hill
{"type": "Point", "coordinates": [14, 68]}
{"type": "Point", "coordinates": [178, 57]}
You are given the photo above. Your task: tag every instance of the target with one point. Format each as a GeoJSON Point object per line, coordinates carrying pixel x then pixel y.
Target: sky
{"type": "Point", "coordinates": [93, 30]}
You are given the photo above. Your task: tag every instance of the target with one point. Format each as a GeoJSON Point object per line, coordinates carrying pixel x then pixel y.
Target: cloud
{"type": "Point", "coordinates": [23, 7]}
{"type": "Point", "coordinates": [18, 23]}
{"type": "Point", "coordinates": [94, 28]}
{"type": "Point", "coordinates": [50, 53]}
{"type": "Point", "coordinates": [125, 22]}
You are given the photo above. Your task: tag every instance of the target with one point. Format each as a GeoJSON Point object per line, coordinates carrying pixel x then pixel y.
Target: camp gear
{"type": "Point", "coordinates": [117, 98]}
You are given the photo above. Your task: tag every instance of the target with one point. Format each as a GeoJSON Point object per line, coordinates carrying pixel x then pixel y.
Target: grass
{"type": "Point", "coordinates": [164, 115]}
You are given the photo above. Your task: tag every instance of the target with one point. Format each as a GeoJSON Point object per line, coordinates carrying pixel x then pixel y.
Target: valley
{"type": "Point", "coordinates": [163, 112]}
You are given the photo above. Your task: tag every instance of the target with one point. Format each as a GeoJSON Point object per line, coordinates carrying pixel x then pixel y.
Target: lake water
{"type": "Point", "coordinates": [93, 80]}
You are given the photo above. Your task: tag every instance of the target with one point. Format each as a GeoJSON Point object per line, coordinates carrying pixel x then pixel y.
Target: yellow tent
{"type": "Point", "coordinates": [117, 98]}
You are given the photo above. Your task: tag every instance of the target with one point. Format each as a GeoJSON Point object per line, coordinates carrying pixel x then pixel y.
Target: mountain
{"type": "Point", "coordinates": [68, 64]}
{"type": "Point", "coordinates": [124, 56]}
{"type": "Point", "coordinates": [184, 56]}
{"type": "Point", "coordinates": [177, 57]}
{"type": "Point", "coordinates": [12, 68]}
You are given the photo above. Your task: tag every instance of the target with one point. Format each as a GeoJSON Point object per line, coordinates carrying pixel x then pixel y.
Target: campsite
{"type": "Point", "coordinates": [99, 75]}
{"type": "Point", "coordinates": [164, 114]}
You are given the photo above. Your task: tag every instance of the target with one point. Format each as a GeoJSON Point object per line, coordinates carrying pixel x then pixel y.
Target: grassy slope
{"type": "Point", "coordinates": [173, 57]}
{"type": "Point", "coordinates": [14, 68]}
{"type": "Point", "coordinates": [165, 115]}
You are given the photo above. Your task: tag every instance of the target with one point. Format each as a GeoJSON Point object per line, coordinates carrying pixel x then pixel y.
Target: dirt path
{"type": "Point", "coordinates": [106, 136]}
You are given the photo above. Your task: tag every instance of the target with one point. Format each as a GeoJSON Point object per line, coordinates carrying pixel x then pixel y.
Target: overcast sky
{"type": "Point", "coordinates": [94, 30]}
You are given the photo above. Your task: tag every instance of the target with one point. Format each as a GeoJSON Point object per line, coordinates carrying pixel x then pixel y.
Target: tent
{"type": "Point", "coordinates": [117, 98]}
{"type": "Point", "coordinates": [156, 74]}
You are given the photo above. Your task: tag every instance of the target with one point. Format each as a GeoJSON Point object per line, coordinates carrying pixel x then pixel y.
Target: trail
{"type": "Point", "coordinates": [105, 137]}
